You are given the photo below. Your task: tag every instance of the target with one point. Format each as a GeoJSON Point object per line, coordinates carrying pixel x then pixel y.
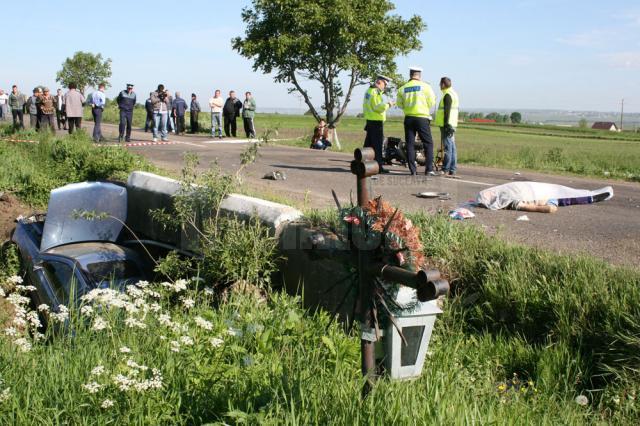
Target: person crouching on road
{"type": "Point", "coordinates": [320, 138]}
{"type": "Point", "coordinates": [447, 120]}
{"type": "Point", "coordinates": [416, 98]}
{"type": "Point", "coordinates": [375, 112]}
{"type": "Point", "coordinates": [179, 111]}
{"type": "Point", "coordinates": [126, 102]}
{"type": "Point", "coordinates": [98, 101]}
{"type": "Point", "coordinates": [248, 113]}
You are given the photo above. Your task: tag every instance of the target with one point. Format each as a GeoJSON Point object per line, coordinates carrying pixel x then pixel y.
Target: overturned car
{"type": "Point", "coordinates": [94, 235]}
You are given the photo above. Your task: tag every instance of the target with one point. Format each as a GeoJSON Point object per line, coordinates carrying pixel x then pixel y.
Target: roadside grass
{"type": "Point", "coordinates": [32, 170]}
{"type": "Point", "coordinates": [523, 334]}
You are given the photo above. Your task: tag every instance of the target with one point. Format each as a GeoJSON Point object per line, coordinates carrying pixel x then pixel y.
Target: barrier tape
{"type": "Point", "coordinates": [19, 140]}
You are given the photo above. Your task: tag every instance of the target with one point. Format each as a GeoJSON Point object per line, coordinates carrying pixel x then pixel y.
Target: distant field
{"type": "Point", "coordinates": [544, 148]}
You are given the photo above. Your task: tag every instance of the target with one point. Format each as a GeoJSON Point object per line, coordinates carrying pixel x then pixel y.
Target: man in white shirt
{"type": "Point", "coordinates": [4, 110]}
{"type": "Point", "coordinates": [98, 101]}
{"type": "Point", "coordinates": [216, 103]}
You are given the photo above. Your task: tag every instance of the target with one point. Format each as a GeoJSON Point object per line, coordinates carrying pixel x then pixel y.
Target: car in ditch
{"type": "Point", "coordinates": [82, 243]}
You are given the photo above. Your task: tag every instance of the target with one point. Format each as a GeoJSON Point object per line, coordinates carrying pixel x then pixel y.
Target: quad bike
{"type": "Point", "coordinates": [396, 149]}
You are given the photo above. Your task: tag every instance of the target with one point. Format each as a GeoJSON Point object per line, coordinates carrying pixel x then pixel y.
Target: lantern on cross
{"type": "Point", "coordinates": [387, 264]}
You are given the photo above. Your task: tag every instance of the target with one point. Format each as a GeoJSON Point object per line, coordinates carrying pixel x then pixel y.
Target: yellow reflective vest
{"type": "Point", "coordinates": [453, 114]}
{"type": "Point", "coordinates": [374, 107]}
{"type": "Point", "coordinates": [416, 98]}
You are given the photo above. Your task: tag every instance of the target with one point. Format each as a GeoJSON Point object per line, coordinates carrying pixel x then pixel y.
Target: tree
{"type": "Point", "coordinates": [516, 117]}
{"type": "Point", "coordinates": [583, 123]}
{"type": "Point", "coordinates": [85, 69]}
{"type": "Point", "coordinates": [326, 41]}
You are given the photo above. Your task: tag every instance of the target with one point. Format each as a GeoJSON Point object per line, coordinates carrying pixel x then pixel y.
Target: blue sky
{"type": "Point", "coordinates": [562, 54]}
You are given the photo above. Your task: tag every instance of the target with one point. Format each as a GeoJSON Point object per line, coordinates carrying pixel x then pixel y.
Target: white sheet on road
{"type": "Point", "coordinates": [501, 196]}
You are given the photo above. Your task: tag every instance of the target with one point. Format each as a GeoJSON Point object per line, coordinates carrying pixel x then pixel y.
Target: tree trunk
{"type": "Point", "coordinates": [335, 138]}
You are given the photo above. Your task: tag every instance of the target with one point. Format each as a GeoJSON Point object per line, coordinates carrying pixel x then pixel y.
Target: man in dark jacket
{"type": "Point", "coordinates": [126, 102]}
{"type": "Point", "coordinates": [32, 108]}
{"type": "Point", "coordinates": [195, 111]}
{"type": "Point", "coordinates": [179, 110]}
{"type": "Point", "coordinates": [230, 112]}
{"type": "Point", "coordinates": [148, 106]}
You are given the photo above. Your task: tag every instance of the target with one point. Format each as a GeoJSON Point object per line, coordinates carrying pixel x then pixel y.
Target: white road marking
{"type": "Point", "coordinates": [473, 182]}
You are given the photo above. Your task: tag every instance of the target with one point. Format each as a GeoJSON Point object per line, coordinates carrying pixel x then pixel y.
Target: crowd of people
{"type": "Point", "coordinates": [165, 112]}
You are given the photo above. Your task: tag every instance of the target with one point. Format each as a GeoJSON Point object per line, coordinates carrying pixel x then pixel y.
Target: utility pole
{"type": "Point", "coordinates": [621, 113]}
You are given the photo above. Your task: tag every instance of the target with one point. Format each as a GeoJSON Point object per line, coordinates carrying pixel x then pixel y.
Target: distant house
{"type": "Point", "coordinates": [605, 125]}
{"type": "Point", "coordinates": [482, 120]}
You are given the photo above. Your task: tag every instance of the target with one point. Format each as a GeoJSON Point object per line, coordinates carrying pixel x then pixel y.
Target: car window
{"type": "Point", "coordinates": [115, 272]}
{"type": "Point", "coordinates": [63, 281]}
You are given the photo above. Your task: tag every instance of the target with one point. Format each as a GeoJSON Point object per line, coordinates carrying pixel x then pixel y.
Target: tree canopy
{"type": "Point", "coordinates": [85, 69]}
{"type": "Point", "coordinates": [339, 44]}
{"type": "Point", "coordinates": [516, 117]}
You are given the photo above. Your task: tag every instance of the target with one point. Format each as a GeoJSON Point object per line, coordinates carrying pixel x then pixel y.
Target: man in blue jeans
{"type": "Point", "coordinates": [160, 102]}
{"type": "Point", "coordinates": [447, 120]}
{"type": "Point", "coordinates": [98, 101]}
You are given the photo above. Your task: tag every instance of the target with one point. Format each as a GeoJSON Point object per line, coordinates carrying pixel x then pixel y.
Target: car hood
{"type": "Point", "coordinates": [106, 201]}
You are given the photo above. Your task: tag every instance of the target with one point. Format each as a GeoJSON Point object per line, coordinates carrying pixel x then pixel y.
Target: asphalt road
{"type": "Point", "coordinates": [608, 230]}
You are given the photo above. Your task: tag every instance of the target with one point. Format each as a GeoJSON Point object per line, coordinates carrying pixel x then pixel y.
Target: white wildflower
{"type": "Point", "coordinates": [134, 291]}
{"type": "Point", "coordinates": [209, 291]}
{"type": "Point", "coordinates": [134, 323]}
{"type": "Point", "coordinates": [23, 344]}
{"type": "Point", "coordinates": [175, 346]}
{"type": "Point", "coordinates": [188, 302]}
{"type": "Point", "coordinates": [132, 364]}
{"type": "Point", "coordinates": [98, 370]}
{"type": "Point", "coordinates": [107, 403]}
{"type": "Point", "coordinates": [215, 342]}
{"type": "Point", "coordinates": [25, 288]}
{"type": "Point", "coordinates": [34, 320]}
{"type": "Point", "coordinates": [582, 400]}
{"type": "Point", "coordinates": [142, 284]}
{"type": "Point", "coordinates": [11, 331]}
{"type": "Point", "coordinates": [92, 387]}
{"type": "Point", "coordinates": [123, 382]}
{"type": "Point", "coordinates": [203, 323]}
{"type": "Point", "coordinates": [124, 350]}
{"type": "Point", "coordinates": [234, 332]}
{"type": "Point", "coordinates": [152, 294]}
{"type": "Point", "coordinates": [186, 340]}
{"type": "Point", "coordinates": [37, 336]}
{"type": "Point", "coordinates": [14, 279]}
{"type": "Point", "coordinates": [18, 300]}
{"type": "Point", "coordinates": [99, 324]}
{"type": "Point", "coordinates": [5, 395]}
{"type": "Point", "coordinates": [44, 308]}
{"type": "Point", "coordinates": [86, 310]}
{"type": "Point", "coordinates": [180, 285]}
{"type": "Point", "coordinates": [154, 307]}
{"type": "Point", "coordinates": [165, 319]}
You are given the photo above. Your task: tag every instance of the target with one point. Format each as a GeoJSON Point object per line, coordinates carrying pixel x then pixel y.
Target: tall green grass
{"type": "Point", "coordinates": [32, 170]}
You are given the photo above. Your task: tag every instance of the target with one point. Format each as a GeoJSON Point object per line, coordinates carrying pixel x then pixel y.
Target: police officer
{"type": "Point", "coordinates": [126, 102]}
{"type": "Point", "coordinates": [447, 120]}
{"type": "Point", "coordinates": [416, 98]}
{"type": "Point", "coordinates": [375, 112]}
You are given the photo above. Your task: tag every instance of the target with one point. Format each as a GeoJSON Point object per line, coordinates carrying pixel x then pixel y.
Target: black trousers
{"type": "Point", "coordinates": [61, 118]}
{"type": "Point", "coordinates": [149, 123]}
{"type": "Point", "coordinates": [420, 126]}
{"type": "Point", "coordinates": [193, 121]}
{"type": "Point", "coordinates": [179, 124]}
{"type": "Point", "coordinates": [230, 125]}
{"type": "Point", "coordinates": [126, 119]}
{"type": "Point", "coordinates": [248, 127]}
{"type": "Point", "coordinates": [374, 138]}
{"type": "Point", "coordinates": [74, 122]}
{"type": "Point", "coordinates": [18, 118]}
